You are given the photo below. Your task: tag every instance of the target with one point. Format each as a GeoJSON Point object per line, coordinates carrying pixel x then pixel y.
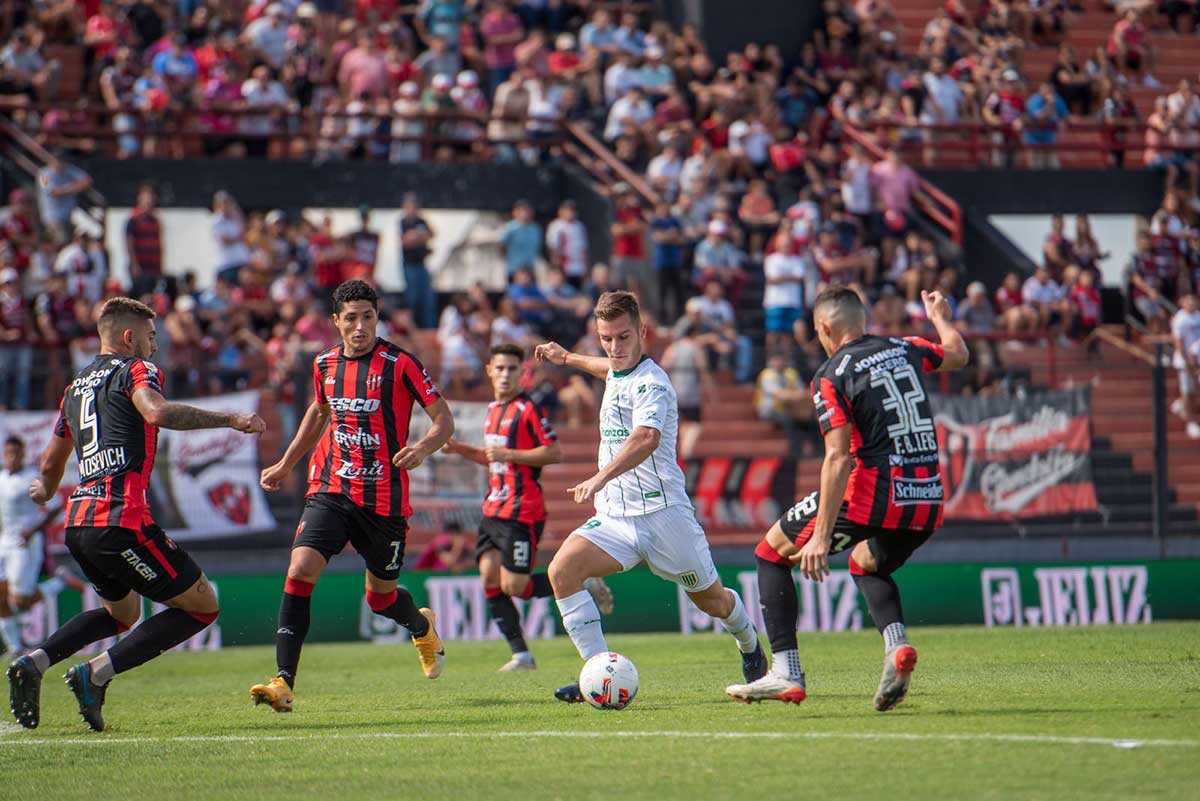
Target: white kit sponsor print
{"type": "Point", "coordinates": [831, 605]}
{"type": "Point", "coordinates": [1094, 595]}
{"type": "Point", "coordinates": [462, 614]}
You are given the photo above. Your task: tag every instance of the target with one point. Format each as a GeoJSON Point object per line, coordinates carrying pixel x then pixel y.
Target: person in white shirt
{"type": "Point", "coordinates": [22, 542]}
{"type": "Point", "coordinates": [664, 171]}
{"type": "Point", "coordinates": [783, 297]}
{"type": "Point", "coordinates": [856, 182]}
{"type": "Point", "coordinates": [567, 242]}
{"type": "Point", "coordinates": [269, 35]}
{"type": "Point", "coordinates": [643, 512]}
{"type": "Point", "coordinates": [229, 232]}
{"type": "Point", "coordinates": [1044, 294]}
{"type": "Point", "coordinates": [631, 108]}
{"type": "Point", "coordinates": [1185, 331]}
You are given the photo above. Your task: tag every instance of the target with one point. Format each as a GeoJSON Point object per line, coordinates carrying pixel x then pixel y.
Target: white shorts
{"type": "Point", "coordinates": [669, 541]}
{"type": "Point", "coordinates": [20, 566]}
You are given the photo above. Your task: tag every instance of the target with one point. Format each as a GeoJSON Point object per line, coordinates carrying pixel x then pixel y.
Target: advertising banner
{"type": "Point", "coordinates": [204, 484]}
{"type": "Point", "coordinates": [1016, 457]}
{"type": "Point", "coordinates": [743, 494]}
{"type": "Point", "coordinates": [934, 594]}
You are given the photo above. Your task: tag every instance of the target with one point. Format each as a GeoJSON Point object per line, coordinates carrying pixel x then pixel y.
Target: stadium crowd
{"type": "Point", "coordinates": [755, 181]}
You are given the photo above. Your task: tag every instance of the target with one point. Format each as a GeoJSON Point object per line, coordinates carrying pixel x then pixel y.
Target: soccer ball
{"type": "Point", "coordinates": [608, 681]}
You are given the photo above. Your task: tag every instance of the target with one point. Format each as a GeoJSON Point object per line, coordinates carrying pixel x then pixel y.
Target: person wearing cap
{"type": "Point", "coordinates": [509, 110]}
{"type": "Point", "coordinates": [59, 186]}
{"type": "Point", "coordinates": [718, 260]}
{"type": "Point", "coordinates": [502, 31]}
{"type": "Point", "coordinates": [16, 338]}
{"type": "Point", "coordinates": [655, 76]}
{"type": "Point", "coordinates": [565, 62]}
{"type": "Point", "coordinates": [407, 124]}
{"type": "Point", "coordinates": [268, 35]}
{"type": "Point", "coordinates": [567, 243]}
{"type": "Point", "coordinates": [143, 243]}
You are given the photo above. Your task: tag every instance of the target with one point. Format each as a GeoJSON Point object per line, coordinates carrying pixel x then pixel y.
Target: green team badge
{"type": "Point", "coordinates": [593, 523]}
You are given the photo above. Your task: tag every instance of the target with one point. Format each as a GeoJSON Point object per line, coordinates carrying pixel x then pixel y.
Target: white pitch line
{"type": "Point", "coordinates": [598, 735]}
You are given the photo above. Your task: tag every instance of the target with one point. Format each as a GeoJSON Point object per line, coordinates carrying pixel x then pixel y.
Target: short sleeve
{"type": "Point", "coordinates": [318, 383]}
{"type": "Point", "coordinates": [61, 428]}
{"type": "Point", "coordinates": [651, 401]}
{"type": "Point", "coordinates": [832, 406]}
{"type": "Point", "coordinates": [539, 425]}
{"type": "Point", "coordinates": [144, 374]}
{"type": "Point", "coordinates": [418, 381]}
{"type": "Point", "coordinates": [931, 353]}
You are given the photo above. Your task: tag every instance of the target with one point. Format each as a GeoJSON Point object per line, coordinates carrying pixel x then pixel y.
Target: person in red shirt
{"type": "Point", "coordinates": [1017, 317]}
{"type": "Point", "coordinates": [517, 443]}
{"type": "Point", "coordinates": [16, 226]}
{"type": "Point", "coordinates": [628, 249]}
{"type": "Point", "coordinates": [1086, 298]}
{"type": "Point", "coordinates": [1127, 47]}
{"type": "Point", "coordinates": [364, 389]}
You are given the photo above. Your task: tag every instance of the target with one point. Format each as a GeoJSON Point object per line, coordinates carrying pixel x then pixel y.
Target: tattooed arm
{"type": "Point", "coordinates": [157, 411]}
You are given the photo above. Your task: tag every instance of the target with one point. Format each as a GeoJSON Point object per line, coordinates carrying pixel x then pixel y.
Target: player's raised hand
{"type": "Point", "coordinates": [586, 490]}
{"type": "Point", "coordinates": [38, 493]}
{"type": "Point", "coordinates": [936, 305]}
{"type": "Point", "coordinates": [272, 477]}
{"type": "Point", "coordinates": [408, 459]}
{"type": "Point", "coordinates": [551, 352]}
{"type": "Point", "coordinates": [248, 424]}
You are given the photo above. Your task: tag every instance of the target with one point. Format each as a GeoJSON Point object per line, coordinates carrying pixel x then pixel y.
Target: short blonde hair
{"type": "Point", "coordinates": [612, 305]}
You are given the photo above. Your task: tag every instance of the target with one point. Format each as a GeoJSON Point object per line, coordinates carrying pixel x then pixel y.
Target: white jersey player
{"type": "Point", "coordinates": [21, 541]}
{"type": "Point", "coordinates": [643, 513]}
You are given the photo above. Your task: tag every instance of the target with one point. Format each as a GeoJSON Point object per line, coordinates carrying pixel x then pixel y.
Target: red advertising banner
{"type": "Point", "coordinates": [743, 494]}
{"type": "Point", "coordinates": [1016, 457]}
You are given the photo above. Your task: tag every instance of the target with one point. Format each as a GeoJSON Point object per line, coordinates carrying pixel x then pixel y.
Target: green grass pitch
{"type": "Point", "coordinates": [1098, 713]}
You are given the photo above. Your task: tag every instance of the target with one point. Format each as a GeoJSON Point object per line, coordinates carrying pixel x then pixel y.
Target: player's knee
{"type": "Point", "coordinates": [862, 561]}
{"type": "Point", "coordinates": [564, 578]}
{"type": "Point", "coordinates": [514, 584]}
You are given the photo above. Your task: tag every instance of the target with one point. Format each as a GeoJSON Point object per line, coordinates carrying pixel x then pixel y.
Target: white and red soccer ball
{"type": "Point", "coordinates": [608, 681]}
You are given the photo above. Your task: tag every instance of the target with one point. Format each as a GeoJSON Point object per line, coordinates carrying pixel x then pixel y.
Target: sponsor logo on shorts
{"type": "Point", "coordinates": [141, 568]}
{"type": "Point", "coordinates": [909, 491]}
{"type": "Point", "coordinates": [593, 523]}
{"type": "Point", "coordinates": [689, 579]}
{"type": "Point", "coordinates": [90, 491]}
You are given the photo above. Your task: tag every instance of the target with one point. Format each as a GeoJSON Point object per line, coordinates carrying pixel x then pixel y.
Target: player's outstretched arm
{"type": "Point", "coordinates": [54, 462]}
{"type": "Point", "coordinates": [642, 442]}
{"type": "Point", "coordinates": [469, 452]}
{"type": "Point", "coordinates": [158, 411]}
{"type": "Point", "coordinates": [556, 354]}
{"type": "Point", "coordinates": [955, 352]}
{"type": "Point", "coordinates": [439, 433]}
{"type": "Point", "coordinates": [307, 435]}
{"type": "Point", "coordinates": [540, 456]}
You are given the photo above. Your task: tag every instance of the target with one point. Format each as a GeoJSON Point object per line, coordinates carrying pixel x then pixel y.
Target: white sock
{"type": "Point", "coordinates": [787, 665]}
{"type": "Point", "coordinates": [10, 630]}
{"type": "Point", "coordinates": [581, 619]}
{"type": "Point", "coordinates": [893, 636]}
{"type": "Point", "coordinates": [51, 587]}
{"type": "Point", "coordinates": [102, 669]}
{"type": "Point", "coordinates": [740, 626]}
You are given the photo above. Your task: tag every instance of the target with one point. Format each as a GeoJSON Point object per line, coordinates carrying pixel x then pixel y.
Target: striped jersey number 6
{"type": "Point", "coordinates": [906, 405]}
{"type": "Point", "coordinates": [89, 425]}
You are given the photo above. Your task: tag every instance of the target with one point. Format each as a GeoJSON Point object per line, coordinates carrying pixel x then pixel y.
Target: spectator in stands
{"type": "Point", "coordinates": [528, 298]}
{"type": "Point", "coordinates": [511, 325]}
{"type": "Point", "coordinates": [717, 313]}
{"type": "Point", "coordinates": [1045, 115]}
{"type": "Point", "coordinates": [976, 315]}
{"type": "Point", "coordinates": [567, 243]}
{"type": "Point", "coordinates": [460, 358]}
{"type": "Point", "coordinates": [16, 342]}
{"type": "Point", "coordinates": [229, 230]}
{"type": "Point", "coordinates": [1128, 48]}
{"type": "Point", "coordinates": [781, 398]}
{"type": "Point", "coordinates": [59, 186]}
{"type": "Point", "coordinates": [448, 552]}
{"type": "Point", "coordinates": [363, 72]}
{"type": "Point", "coordinates": [671, 281]}
{"type": "Point", "coordinates": [267, 36]}
{"type": "Point", "coordinates": [176, 66]}
{"type": "Point", "coordinates": [1085, 297]}
{"type": "Point", "coordinates": [687, 364]}
{"type": "Point", "coordinates": [895, 184]}
{"type": "Point", "coordinates": [143, 243]}
{"type": "Point", "coordinates": [718, 261]}
{"type": "Point", "coordinates": [1119, 111]}
{"type": "Point", "coordinates": [1047, 297]}
{"type": "Point", "coordinates": [944, 99]}
{"type": "Point", "coordinates": [501, 30]}
{"type": "Point", "coordinates": [1185, 334]}
{"type": "Point", "coordinates": [784, 271]}
{"type": "Point", "coordinates": [1152, 283]}
{"type": "Point", "coordinates": [1057, 252]}
{"type": "Point", "coordinates": [23, 70]}
{"type": "Point", "coordinates": [1085, 249]}
{"type": "Point", "coordinates": [628, 234]}
{"type": "Point", "coordinates": [416, 236]}
{"type": "Point", "coordinates": [19, 229]}
{"type": "Point", "coordinates": [757, 213]}
{"type": "Point", "coordinates": [1071, 82]}
{"type": "Point", "coordinates": [521, 238]}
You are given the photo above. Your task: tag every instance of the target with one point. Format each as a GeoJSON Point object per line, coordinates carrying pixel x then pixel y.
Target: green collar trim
{"type": "Point", "coordinates": [623, 373]}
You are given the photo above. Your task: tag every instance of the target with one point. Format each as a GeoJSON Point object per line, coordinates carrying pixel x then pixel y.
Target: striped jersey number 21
{"type": "Point", "coordinates": [906, 404]}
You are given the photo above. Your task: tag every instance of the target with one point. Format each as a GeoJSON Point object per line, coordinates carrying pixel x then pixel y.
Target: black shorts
{"type": "Point", "coordinates": [330, 520]}
{"type": "Point", "coordinates": [891, 547]}
{"type": "Point", "coordinates": [119, 560]}
{"type": "Point", "coordinates": [516, 542]}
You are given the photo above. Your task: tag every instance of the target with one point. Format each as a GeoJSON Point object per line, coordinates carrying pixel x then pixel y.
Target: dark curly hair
{"type": "Point", "coordinates": [354, 290]}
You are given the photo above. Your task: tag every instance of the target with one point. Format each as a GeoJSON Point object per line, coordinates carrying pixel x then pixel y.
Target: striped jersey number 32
{"type": "Point", "coordinates": [906, 403]}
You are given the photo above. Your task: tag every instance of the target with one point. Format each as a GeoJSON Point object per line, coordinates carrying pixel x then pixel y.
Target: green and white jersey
{"type": "Point", "coordinates": [640, 396]}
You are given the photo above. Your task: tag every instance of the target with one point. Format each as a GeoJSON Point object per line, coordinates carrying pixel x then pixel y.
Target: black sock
{"type": "Point", "coordinates": [780, 605]}
{"type": "Point", "coordinates": [398, 605]}
{"type": "Point", "coordinates": [540, 582]}
{"type": "Point", "coordinates": [158, 634]}
{"type": "Point", "coordinates": [78, 632]}
{"type": "Point", "coordinates": [883, 599]}
{"type": "Point", "coordinates": [294, 616]}
{"type": "Point", "coordinates": [504, 612]}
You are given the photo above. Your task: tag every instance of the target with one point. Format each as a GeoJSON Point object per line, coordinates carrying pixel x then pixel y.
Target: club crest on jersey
{"type": "Point", "coordinates": [374, 382]}
{"type": "Point", "coordinates": [689, 579]}
{"type": "Point", "coordinates": [330, 380]}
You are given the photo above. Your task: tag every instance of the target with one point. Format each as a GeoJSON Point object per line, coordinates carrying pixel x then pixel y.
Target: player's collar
{"type": "Point", "coordinates": [623, 373]}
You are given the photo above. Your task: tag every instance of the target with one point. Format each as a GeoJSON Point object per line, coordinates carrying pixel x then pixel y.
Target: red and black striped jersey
{"type": "Point", "coordinates": [873, 385]}
{"type": "Point", "coordinates": [370, 399]}
{"type": "Point", "coordinates": [113, 442]}
{"type": "Point", "coordinates": [513, 489]}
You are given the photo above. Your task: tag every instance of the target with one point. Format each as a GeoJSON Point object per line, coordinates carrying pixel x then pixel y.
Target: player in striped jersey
{"type": "Point", "coordinates": [364, 391]}
{"type": "Point", "coordinates": [110, 416]}
{"type": "Point", "coordinates": [517, 443]}
{"type": "Point", "coordinates": [881, 491]}
{"type": "Point", "coordinates": [643, 513]}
